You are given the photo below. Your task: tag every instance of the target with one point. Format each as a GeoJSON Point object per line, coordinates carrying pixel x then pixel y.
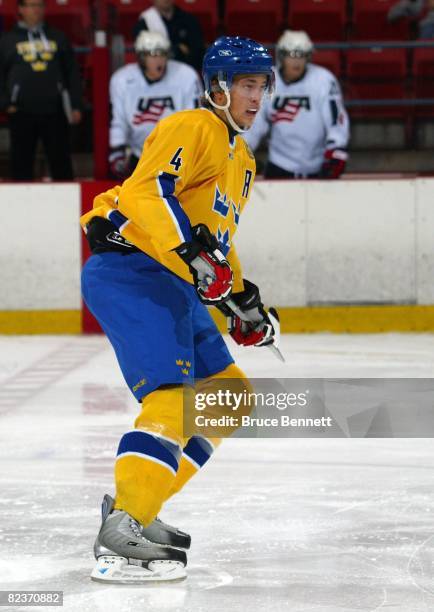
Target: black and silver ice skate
{"type": "Point", "coordinates": [127, 552]}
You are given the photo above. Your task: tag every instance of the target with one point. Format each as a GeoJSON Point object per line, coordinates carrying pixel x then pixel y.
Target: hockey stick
{"type": "Point", "coordinates": [274, 318]}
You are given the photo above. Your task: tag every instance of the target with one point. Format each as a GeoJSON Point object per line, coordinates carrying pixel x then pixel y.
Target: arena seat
{"type": "Point", "coordinates": [324, 20]}
{"type": "Point", "coordinates": [207, 14]}
{"type": "Point", "coordinates": [377, 63]}
{"type": "Point", "coordinates": [423, 79]}
{"type": "Point", "coordinates": [330, 59]}
{"type": "Point", "coordinates": [73, 17]}
{"type": "Point", "coordinates": [130, 57]}
{"type": "Point", "coordinates": [369, 22]}
{"type": "Point", "coordinates": [258, 19]}
{"type": "Point", "coordinates": [125, 14]}
{"type": "Point", "coordinates": [9, 13]}
{"type": "Point", "coordinates": [377, 74]}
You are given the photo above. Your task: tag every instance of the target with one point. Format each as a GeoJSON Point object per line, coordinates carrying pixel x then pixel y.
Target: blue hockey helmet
{"type": "Point", "coordinates": [229, 56]}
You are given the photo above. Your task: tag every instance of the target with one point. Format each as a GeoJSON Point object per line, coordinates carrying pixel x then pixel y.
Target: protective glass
{"type": "Point", "coordinates": [154, 53]}
{"type": "Point", "coordinates": [253, 88]}
{"type": "Point", "coordinates": [249, 87]}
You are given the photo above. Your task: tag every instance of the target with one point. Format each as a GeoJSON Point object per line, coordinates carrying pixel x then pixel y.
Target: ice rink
{"type": "Point", "coordinates": [304, 525]}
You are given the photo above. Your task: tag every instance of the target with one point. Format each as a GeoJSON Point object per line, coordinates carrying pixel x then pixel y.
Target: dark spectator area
{"type": "Point", "coordinates": [372, 46]}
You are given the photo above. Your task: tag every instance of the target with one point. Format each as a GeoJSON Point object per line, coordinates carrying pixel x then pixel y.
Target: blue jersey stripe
{"type": "Point", "coordinates": [197, 450]}
{"type": "Point", "coordinates": [142, 442]}
{"type": "Point", "coordinates": [167, 182]}
{"type": "Point", "coordinates": [117, 218]}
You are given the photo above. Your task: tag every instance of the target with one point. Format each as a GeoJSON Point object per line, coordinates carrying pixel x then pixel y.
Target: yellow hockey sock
{"type": "Point", "coordinates": [200, 448]}
{"type": "Point", "coordinates": [195, 454]}
{"type": "Point", "coordinates": [148, 456]}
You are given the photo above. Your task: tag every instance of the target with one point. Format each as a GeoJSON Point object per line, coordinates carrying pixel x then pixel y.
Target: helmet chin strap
{"type": "Point", "coordinates": [225, 107]}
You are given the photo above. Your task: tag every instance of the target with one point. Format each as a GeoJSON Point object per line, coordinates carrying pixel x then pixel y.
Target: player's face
{"type": "Point", "coordinates": [154, 65]}
{"type": "Point", "coordinates": [32, 12]}
{"type": "Point", "coordinates": [293, 67]}
{"type": "Point", "coordinates": [247, 93]}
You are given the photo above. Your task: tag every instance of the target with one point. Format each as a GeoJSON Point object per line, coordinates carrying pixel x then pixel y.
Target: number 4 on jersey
{"type": "Point", "coordinates": [176, 160]}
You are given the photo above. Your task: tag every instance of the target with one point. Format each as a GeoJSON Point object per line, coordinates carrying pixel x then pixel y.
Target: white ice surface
{"type": "Point", "coordinates": [307, 525]}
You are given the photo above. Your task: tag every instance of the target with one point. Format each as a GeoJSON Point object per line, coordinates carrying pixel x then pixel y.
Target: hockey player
{"type": "Point", "coordinates": [162, 249]}
{"type": "Point", "coordinates": [307, 121]}
{"type": "Point", "coordinates": [143, 93]}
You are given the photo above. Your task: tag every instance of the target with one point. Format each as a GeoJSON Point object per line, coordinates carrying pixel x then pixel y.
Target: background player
{"type": "Point", "coordinates": [143, 93]}
{"type": "Point", "coordinates": [163, 248]}
{"type": "Point", "coordinates": [307, 121]}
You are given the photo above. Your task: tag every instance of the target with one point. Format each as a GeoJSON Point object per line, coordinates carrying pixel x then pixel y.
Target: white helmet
{"type": "Point", "coordinates": [295, 44]}
{"type": "Point", "coordinates": [152, 43]}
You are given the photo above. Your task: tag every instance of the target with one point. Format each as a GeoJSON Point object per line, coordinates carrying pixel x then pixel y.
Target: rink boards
{"type": "Point", "coordinates": [353, 255]}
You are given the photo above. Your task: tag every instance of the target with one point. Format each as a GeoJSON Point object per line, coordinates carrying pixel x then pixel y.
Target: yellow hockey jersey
{"type": "Point", "coordinates": [190, 172]}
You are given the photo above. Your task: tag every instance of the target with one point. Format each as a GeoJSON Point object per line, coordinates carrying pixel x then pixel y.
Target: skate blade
{"type": "Point", "coordinates": [112, 569]}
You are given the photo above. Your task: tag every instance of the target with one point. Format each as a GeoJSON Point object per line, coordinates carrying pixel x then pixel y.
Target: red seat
{"type": "Point", "coordinates": [125, 14]}
{"type": "Point", "coordinates": [207, 14]}
{"type": "Point", "coordinates": [370, 21]}
{"type": "Point", "coordinates": [258, 19]}
{"type": "Point", "coordinates": [72, 17]}
{"type": "Point", "coordinates": [323, 20]}
{"type": "Point", "coordinates": [330, 59]}
{"type": "Point", "coordinates": [377, 74]}
{"type": "Point", "coordinates": [130, 57]}
{"type": "Point", "coordinates": [423, 63]}
{"type": "Point", "coordinates": [423, 79]}
{"type": "Point", "coordinates": [377, 63]}
{"type": "Point", "coordinates": [8, 14]}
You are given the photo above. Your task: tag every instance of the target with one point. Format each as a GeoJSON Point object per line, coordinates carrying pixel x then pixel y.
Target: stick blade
{"type": "Point", "coordinates": [275, 320]}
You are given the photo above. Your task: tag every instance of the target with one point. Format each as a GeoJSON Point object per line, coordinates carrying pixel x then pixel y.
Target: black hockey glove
{"type": "Point", "coordinates": [258, 332]}
{"type": "Point", "coordinates": [103, 236]}
{"type": "Point", "coordinates": [118, 162]}
{"type": "Point", "coordinates": [211, 272]}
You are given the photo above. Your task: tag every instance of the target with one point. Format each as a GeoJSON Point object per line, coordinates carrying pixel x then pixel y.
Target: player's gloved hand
{"type": "Point", "coordinates": [103, 236]}
{"type": "Point", "coordinates": [334, 163]}
{"type": "Point", "coordinates": [118, 162]}
{"type": "Point", "coordinates": [212, 273]}
{"type": "Point", "coordinates": [259, 331]}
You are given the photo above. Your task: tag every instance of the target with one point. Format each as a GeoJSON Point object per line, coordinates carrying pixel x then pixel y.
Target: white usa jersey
{"type": "Point", "coordinates": [138, 105]}
{"type": "Point", "coordinates": [305, 118]}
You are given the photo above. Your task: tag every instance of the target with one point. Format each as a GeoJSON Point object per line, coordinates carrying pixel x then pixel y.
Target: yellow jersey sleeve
{"type": "Point", "coordinates": [176, 158]}
{"type": "Point", "coordinates": [103, 204]}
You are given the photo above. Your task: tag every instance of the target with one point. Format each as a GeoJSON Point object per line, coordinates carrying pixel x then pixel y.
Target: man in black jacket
{"type": "Point", "coordinates": [40, 90]}
{"type": "Point", "coordinates": [181, 28]}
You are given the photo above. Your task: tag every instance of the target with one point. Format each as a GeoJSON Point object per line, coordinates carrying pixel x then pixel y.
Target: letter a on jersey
{"type": "Point", "coordinates": [247, 181]}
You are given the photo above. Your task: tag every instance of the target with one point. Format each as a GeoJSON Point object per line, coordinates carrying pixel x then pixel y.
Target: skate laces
{"type": "Point", "coordinates": [136, 529]}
